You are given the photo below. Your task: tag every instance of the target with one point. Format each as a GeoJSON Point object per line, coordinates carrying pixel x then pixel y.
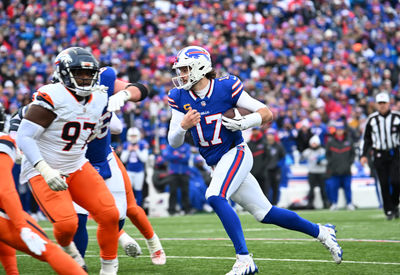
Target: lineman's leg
{"type": "Point", "coordinates": [138, 217]}
{"type": "Point", "coordinates": [81, 238]}
{"type": "Point", "coordinates": [251, 198]}
{"type": "Point", "coordinates": [61, 262]}
{"type": "Point", "coordinates": [58, 208]}
{"type": "Point", "coordinates": [134, 212]}
{"type": "Point", "coordinates": [89, 190]}
{"type": "Point", "coordinates": [8, 259]}
{"type": "Point", "coordinates": [238, 162]}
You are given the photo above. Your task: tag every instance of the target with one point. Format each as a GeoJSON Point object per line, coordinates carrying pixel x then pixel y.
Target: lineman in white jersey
{"type": "Point", "coordinates": [197, 103]}
{"type": "Point", "coordinates": [53, 137]}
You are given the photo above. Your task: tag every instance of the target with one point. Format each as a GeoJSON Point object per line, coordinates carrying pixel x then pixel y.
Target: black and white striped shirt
{"type": "Point", "coordinates": [381, 132]}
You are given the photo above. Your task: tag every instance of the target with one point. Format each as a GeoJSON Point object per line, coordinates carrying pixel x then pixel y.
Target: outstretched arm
{"type": "Point", "coordinates": [126, 92]}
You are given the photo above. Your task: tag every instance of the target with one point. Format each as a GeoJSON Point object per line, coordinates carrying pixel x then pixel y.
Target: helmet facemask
{"type": "Point", "coordinates": [84, 80]}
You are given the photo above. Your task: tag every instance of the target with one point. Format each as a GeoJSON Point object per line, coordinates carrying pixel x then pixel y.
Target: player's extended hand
{"type": "Point", "coordinates": [96, 131]}
{"type": "Point", "coordinates": [52, 176]}
{"type": "Point", "coordinates": [33, 241]}
{"type": "Point", "coordinates": [116, 101]}
{"type": "Point", "coordinates": [190, 119]}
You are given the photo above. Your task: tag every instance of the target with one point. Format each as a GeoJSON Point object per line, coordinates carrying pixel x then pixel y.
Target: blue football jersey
{"type": "Point", "coordinates": [210, 136]}
{"type": "Point", "coordinates": [99, 148]}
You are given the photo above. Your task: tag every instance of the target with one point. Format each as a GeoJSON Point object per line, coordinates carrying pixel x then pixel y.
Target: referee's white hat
{"type": "Point", "coordinates": [382, 97]}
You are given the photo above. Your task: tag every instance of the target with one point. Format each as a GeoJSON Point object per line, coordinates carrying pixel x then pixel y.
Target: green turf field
{"type": "Point", "coordinates": [198, 244]}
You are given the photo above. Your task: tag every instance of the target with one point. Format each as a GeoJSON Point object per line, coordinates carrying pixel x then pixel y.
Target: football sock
{"type": "Point", "coordinates": [81, 237]}
{"type": "Point", "coordinates": [139, 197]}
{"type": "Point", "coordinates": [290, 220]}
{"type": "Point", "coordinates": [138, 217]}
{"type": "Point", "coordinates": [231, 223]}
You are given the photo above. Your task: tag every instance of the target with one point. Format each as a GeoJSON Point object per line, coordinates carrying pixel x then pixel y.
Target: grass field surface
{"type": "Point", "coordinates": [198, 244]}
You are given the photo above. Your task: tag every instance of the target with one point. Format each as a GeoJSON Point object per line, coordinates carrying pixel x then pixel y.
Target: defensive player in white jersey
{"type": "Point", "coordinates": [53, 137]}
{"type": "Point", "coordinates": [197, 103]}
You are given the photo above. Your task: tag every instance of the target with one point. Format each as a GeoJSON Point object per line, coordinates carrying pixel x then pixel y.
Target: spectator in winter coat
{"type": "Point", "coordinates": [259, 147]}
{"type": "Point", "coordinates": [340, 154]}
{"type": "Point", "coordinates": [316, 162]}
{"type": "Point", "coordinates": [178, 167]}
{"type": "Point", "coordinates": [275, 156]}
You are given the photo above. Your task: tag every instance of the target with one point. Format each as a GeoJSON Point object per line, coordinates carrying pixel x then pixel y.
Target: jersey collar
{"type": "Point", "coordinates": [208, 94]}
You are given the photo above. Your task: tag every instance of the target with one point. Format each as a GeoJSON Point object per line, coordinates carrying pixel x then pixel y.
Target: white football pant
{"type": "Point", "coordinates": [231, 178]}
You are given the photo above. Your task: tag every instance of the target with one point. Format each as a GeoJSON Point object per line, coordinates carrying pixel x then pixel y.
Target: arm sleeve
{"type": "Point", "coordinates": [366, 140]}
{"type": "Point", "coordinates": [176, 134]}
{"type": "Point", "coordinates": [249, 103]}
{"type": "Point", "coordinates": [9, 199]}
{"type": "Point", "coordinates": [27, 134]}
{"type": "Point", "coordinates": [115, 125]}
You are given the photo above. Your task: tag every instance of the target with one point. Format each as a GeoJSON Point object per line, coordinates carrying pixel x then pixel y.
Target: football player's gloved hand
{"type": "Point", "coordinates": [240, 122]}
{"type": "Point", "coordinates": [33, 241]}
{"type": "Point", "coordinates": [96, 131]}
{"type": "Point", "coordinates": [233, 124]}
{"type": "Point", "coordinates": [53, 177]}
{"type": "Point", "coordinates": [116, 101]}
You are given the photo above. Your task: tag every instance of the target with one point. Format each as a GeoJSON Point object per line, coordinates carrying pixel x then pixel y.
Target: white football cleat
{"type": "Point", "coordinates": [327, 236]}
{"type": "Point", "coordinates": [244, 266]}
{"type": "Point", "coordinates": [109, 267]}
{"type": "Point", "coordinates": [130, 246]}
{"type": "Point", "coordinates": [157, 253]}
{"type": "Point", "coordinates": [74, 253]}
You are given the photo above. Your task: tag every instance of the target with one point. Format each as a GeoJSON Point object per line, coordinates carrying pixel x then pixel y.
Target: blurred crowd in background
{"type": "Point", "coordinates": [314, 63]}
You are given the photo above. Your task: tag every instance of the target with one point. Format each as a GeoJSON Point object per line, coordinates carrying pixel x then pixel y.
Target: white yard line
{"type": "Point", "coordinates": [256, 259]}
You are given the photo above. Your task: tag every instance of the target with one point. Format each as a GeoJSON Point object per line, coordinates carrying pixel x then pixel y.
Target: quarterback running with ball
{"type": "Point", "coordinates": [197, 103]}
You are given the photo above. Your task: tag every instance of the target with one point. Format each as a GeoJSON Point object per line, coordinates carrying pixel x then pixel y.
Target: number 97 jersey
{"type": "Point", "coordinates": [63, 144]}
{"type": "Point", "coordinates": [210, 136]}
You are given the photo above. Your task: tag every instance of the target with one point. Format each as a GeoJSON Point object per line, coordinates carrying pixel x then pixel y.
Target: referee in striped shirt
{"type": "Point", "coordinates": [382, 133]}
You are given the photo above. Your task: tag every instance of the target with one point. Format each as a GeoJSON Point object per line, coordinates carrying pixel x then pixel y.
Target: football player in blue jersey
{"type": "Point", "coordinates": [198, 103]}
{"type": "Point", "coordinates": [107, 163]}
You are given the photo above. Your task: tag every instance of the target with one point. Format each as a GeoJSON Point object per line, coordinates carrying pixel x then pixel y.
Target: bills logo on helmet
{"type": "Point", "coordinates": [195, 53]}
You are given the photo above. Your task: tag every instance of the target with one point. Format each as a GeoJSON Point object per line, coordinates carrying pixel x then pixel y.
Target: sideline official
{"type": "Point", "coordinates": [382, 134]}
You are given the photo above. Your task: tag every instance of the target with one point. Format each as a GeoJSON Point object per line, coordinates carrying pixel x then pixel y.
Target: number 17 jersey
{"type": "Point", "coordinates": [210, 136]}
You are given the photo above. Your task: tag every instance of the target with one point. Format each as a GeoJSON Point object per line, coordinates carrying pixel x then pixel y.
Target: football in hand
{"type": "Point", "coordinates": [231, 112]}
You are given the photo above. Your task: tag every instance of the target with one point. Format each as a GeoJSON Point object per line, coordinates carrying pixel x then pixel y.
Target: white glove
{"type": "Point", "coordinates": [240, 123]}
{"type": "Point", "coordinates": [96, 131]}
{"type": "Point", "coordinates": [52, 176]}
{"type": "Point", "coordinates": [116, 101]}
{"type": "Point", "coordinates": [33, 241]}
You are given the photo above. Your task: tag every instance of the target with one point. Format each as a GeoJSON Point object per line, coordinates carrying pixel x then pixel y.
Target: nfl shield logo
{"type": "Point", "coordinates": [203, 103]}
